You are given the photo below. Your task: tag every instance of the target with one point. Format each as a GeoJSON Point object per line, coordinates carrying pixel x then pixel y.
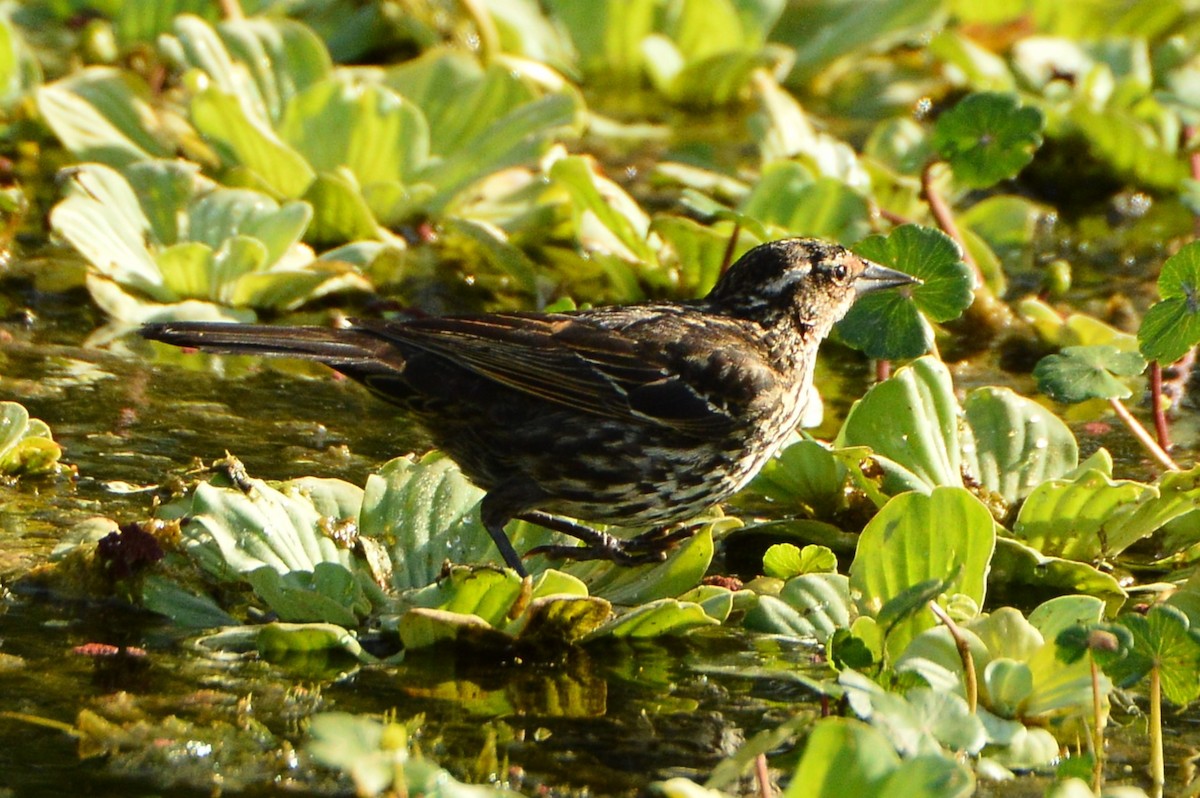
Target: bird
{"type": "Point", "coordinates": [636, 415]}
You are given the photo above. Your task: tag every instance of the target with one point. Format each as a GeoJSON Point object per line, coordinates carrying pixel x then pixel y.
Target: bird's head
{"type": "Point", "coordinates": [804, 281]}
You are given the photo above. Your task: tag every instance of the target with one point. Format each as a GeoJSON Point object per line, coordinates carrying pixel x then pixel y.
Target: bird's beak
{"type": "Point", "coordinates": [876, 277]}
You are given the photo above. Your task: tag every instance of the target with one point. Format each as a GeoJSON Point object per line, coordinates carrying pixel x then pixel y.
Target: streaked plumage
{"type": "Point", "coordinates": [630, 415]}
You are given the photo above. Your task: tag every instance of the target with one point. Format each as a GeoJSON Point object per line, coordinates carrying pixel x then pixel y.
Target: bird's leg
{"type": "Point", "coordinates": [598, 545]}
{"type": "Point", "coordinates": [494, 518]}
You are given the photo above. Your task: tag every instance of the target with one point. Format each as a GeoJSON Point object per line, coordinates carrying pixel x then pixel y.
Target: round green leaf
{"type": "Point", "coordinates": [988, 137]}
{"type": "Point", "coordinates": [891, 324]}
{"type": "Point", "coordinates": [1172, 326]}
{"type": "Point", "coordinates": [1079, 373]}
{"type": "Point", "coordinates": [1161, 639]}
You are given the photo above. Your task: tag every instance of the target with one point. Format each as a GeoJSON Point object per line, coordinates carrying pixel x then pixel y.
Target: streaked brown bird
{"type": "Point", "coordinates": [632, 415]}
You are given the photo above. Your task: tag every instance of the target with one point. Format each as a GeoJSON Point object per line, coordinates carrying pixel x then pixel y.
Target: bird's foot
{"type": "Point", "coordinates": [650, 547]}
{"type": "Point", "coordinates": [612, 550]}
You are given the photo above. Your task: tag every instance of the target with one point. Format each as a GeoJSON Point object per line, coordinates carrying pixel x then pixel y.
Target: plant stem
{"type": "Point", "coordinates": [986, 309]}
{"type": "Point", "coordinates": [945, 218]}
{"type": "Point", "coordinates": [1097, 729]}
{"type": "Point", "coordinates": [1157, 770]}
{"type": "Point", "coordinates": [1156, 404]}
{"type": "Point", "coordinates": [883, 370]}
{"type": "Point", "coordinates": [727, 257]}
{"type": "Point", "coordinates": [964, 653]}
{"type": "Point", "coordinates": [1143, 436]}
{"type": "Point", "coordinates": [762, 776]}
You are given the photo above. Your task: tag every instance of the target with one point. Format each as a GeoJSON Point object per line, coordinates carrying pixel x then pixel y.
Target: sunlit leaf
{"type": "Point", "coordinates": [105, 115]}
{"type": "Point", "coordinates": [1019, 564]}
{"type": "Point", "coordinates": [1172, 326]}
{"type": "Point", "coordinates": [844, 757]}
{"type": "Point", "coordinates": [917, 537]}
{"type": "Point", "coordinates": [1015, 443]}
{"type": "Point", "coordinates": [783, 560]}
{"type": "Point", "coordinates": [911, 419]}
{"type": "Point", "coordinates": [369, 129]}
{"type": "Point", "coordinates": [328, 594]}
{"type": "Point", "coordinates": [248, 141]}
{"type": "Point", "coordinates": [26, 445]}
{"type": "Point", "coordinates": [806, 474]}
{"type": "Point", "coordinates": [810, 605]}
{"type": "Point", "coordinates": [427, 508]}
{"type": "Point", "coordinates": [230, 531]}
{"type": "Point", "coordinates": [656, 619]}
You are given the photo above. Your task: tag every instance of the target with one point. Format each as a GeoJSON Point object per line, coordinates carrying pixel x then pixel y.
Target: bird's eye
{"type": "Point", "coordinates": [840, 272]}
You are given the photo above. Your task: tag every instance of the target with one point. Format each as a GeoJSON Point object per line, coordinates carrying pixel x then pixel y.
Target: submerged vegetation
{"type": "Point", "coordinates": [982, 590]}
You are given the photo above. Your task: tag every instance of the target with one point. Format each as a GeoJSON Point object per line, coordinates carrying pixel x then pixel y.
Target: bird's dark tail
{"type": "Point", "coordinates": [344, 349]}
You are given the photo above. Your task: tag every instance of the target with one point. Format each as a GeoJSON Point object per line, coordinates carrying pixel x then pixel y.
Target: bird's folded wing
{"type": "Point", "coordinates": [567, 360]}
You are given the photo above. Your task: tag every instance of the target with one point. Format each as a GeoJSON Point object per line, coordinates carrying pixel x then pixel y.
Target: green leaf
{"type": "Point", "coordinates": [329, 594]}
{"type": "Point", "coordinates": [481, 244]}
{"type": "Point", "coordinates": [184, 607]}
{"type": "Point", "coordinates": [231, 531]}
{"type": "Point", "coordinates": [250, 143]}
{"type": "Point", "coordinates": [26, 445]}
{"type": "Point", "coordinates": [426, 510]}
{"type": "Point", "coordinates": [917, 537]}
{"type": "Point", "coordinates": [657, 619]}
{"type": "Point", "coordinates": [891, 324]}
{"type": "Point", "coordinates": [683, 569]}
{"type": "Point", "coordinates": [520, 136]}
{"type": "Point", "coordinates": [699, 251]}
{"type": "Point", "coordinates": [1092, 516]}
{"type": "Point", "coordinates": [608, 35]}
{"type": "Point", "coordinates": [988, 137]}
{"type": "Point", "coordinates": [912, 419]}
{"type": "Point", "coordinates": [283, 58]}
{"type": "Point", "coordinates": [783, 560]}
{"type": "Point", "coordinates": [1172, 326]}
{"type": "Point", "coordinates": [102, 219]}
{"type": "Point", "coordinates": [1018, 564]}
{"type": "Point", "coordinates": [102, 114]}
{"type": "Point", "coordinates": [628, 224]}
{"type": "Point", "coordinates": [1016, 444]}
{"type": "Point", "coordinates": [844, 757]}
{"type": "Point", "coordinates": [369, 129]}
{"type": "Point", "coordinates": [810, 605]}
{"type": "Point", "coordinates": [1080, 373]}
{"type": "Point", "coordinates": [806, 474]}
{"type": "Point", "coordinates": [340, 212]}
{"type": "Point", "coordinates": [1162, 639]}
{"type": "Point", "coordinates": [276, 641]}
